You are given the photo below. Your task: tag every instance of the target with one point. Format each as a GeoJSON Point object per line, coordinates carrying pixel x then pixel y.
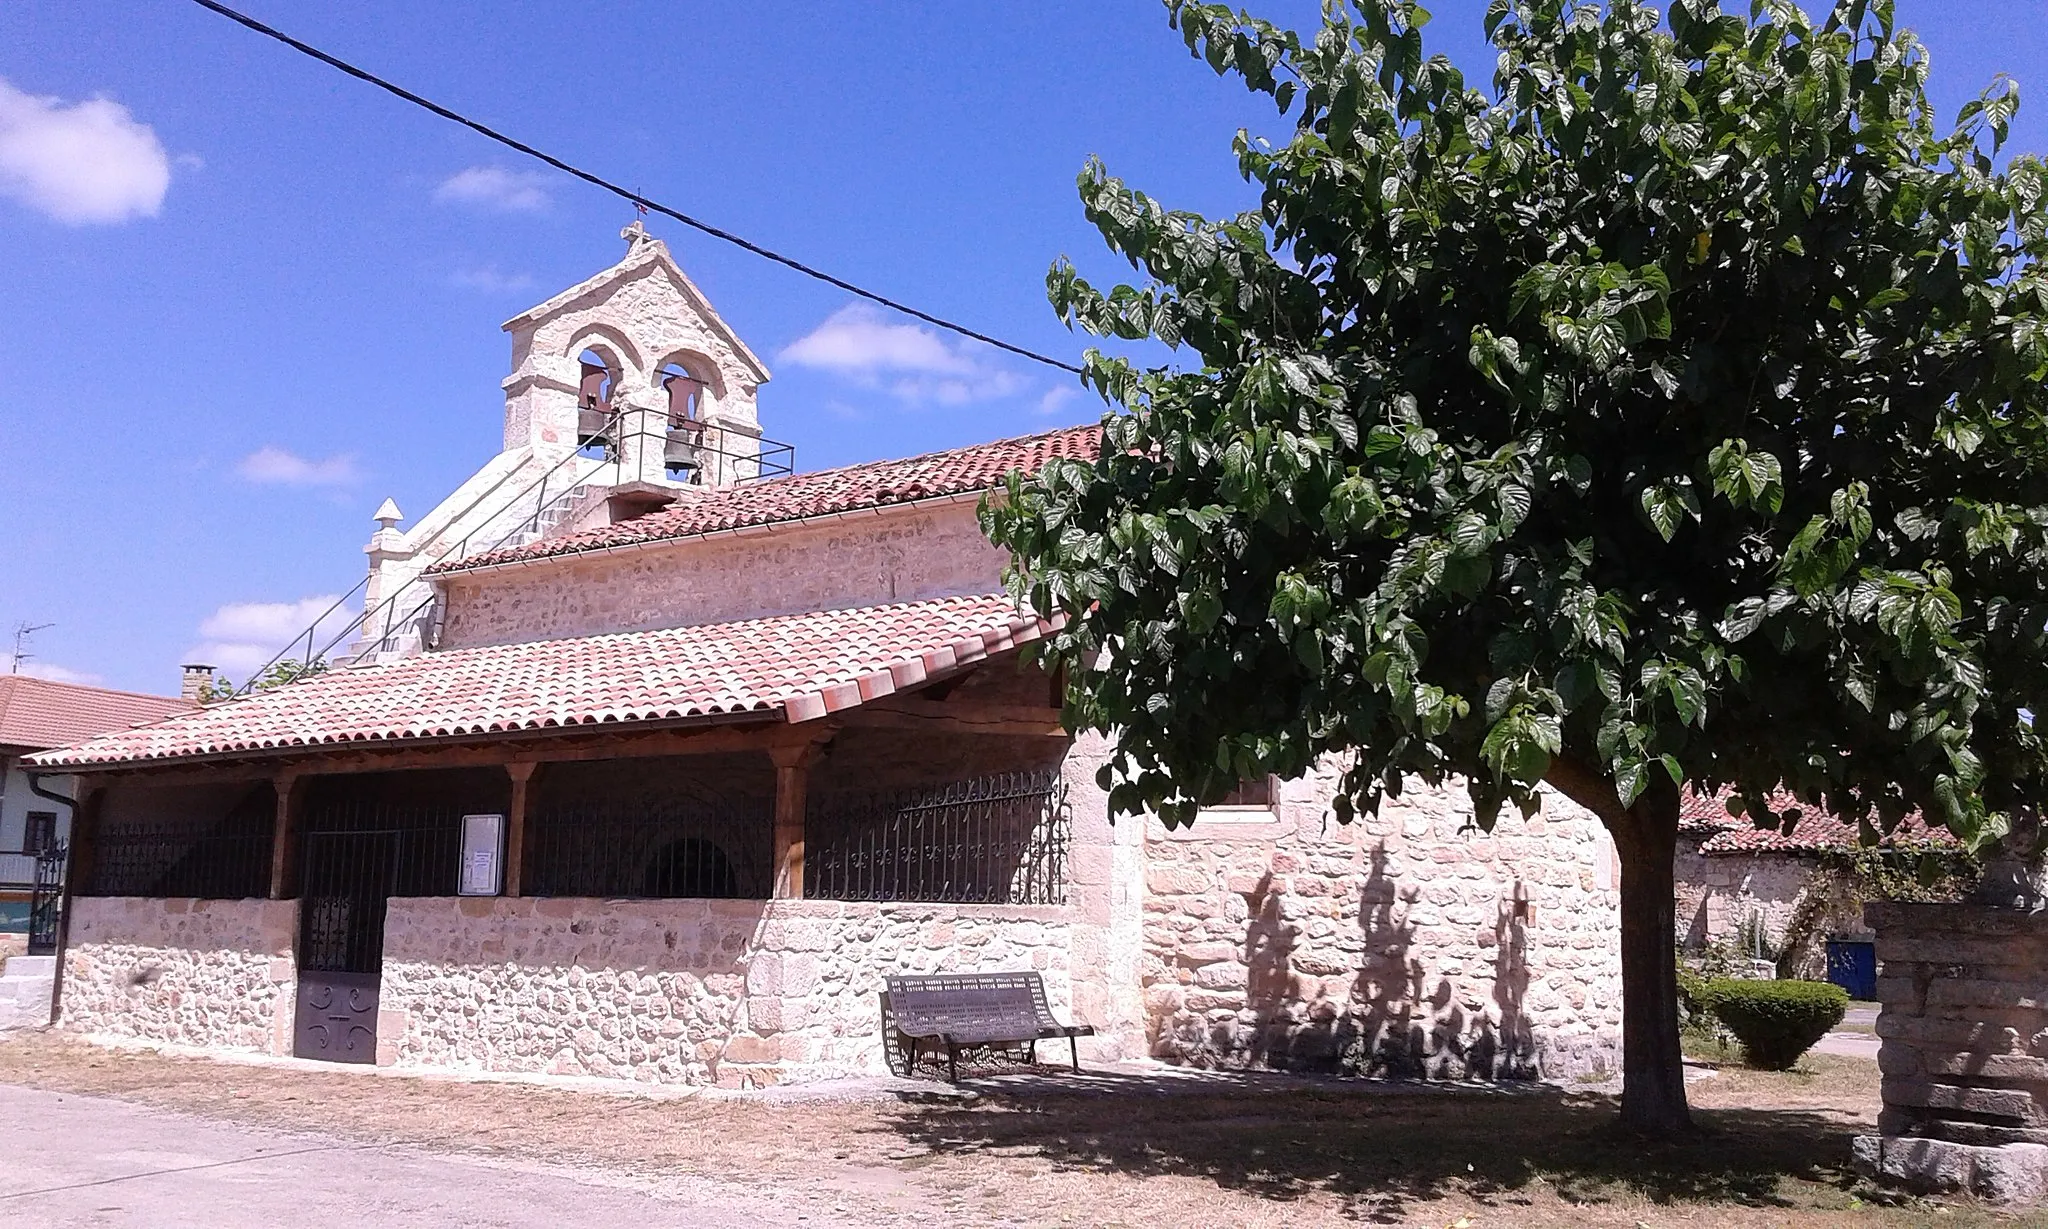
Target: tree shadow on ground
{"type": "Point", "coordinates": [1383, 1147]}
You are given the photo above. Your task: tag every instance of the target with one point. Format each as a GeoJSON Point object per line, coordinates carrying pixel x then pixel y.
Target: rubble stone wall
{"type": "Point", "coordinates": [1964, 1022]}
{"type": "Point", "coordinates": [724, 992]}
{"type": "Point", "coordinates": [212, 973]}
{"type": "Point", "coordinates": [1402, 943]}
{"type": "Point", "coordinates": [896, 555]}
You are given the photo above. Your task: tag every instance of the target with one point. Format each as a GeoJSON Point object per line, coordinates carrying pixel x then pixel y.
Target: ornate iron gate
{"type": "Point", "coordinates": [46, 897]}
{"type": "Point", "coordinates": [355, 856]}
{"type": "Point", "coordinates": [341, 943]}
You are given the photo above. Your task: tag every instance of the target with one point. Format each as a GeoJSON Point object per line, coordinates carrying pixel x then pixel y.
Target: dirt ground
{"type": "Point", "coordinates": [1111, 1149]}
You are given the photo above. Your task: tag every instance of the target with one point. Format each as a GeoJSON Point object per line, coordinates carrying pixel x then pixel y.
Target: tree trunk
{"type": "Point", "coordinates": [1653, 1072]}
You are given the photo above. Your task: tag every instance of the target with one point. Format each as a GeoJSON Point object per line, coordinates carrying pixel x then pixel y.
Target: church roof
{"type": "Point", "coordinates": [791, 668]}
{"type": "Point", "coordinates": [827, 492]}
{"type": "Point", "coordinates": [38, 713]}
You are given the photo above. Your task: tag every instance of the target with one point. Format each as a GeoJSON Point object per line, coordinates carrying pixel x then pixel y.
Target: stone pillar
{"type": "Point", "coordinates": [521, 772]}
{"type": "Point", "coordinates": [1963, 1049]}
{"type": "Point", "coordinates": [792, 782]}
{"type": "Point", "coordinates": [284, 839]}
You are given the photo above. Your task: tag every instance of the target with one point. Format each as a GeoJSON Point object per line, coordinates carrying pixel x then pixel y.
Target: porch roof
{"type": "Point", "coordinates": [827, 492]}
{"type": "Point", "coordinates": [1706, 816]}
{"type": "Point", "coordinates": [791, 668]}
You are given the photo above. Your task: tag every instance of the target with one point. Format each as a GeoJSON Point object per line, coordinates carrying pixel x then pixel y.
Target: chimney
{"type": "Point", "coordinates": [198, 682]}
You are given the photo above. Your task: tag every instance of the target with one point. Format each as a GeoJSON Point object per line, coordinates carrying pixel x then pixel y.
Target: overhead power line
{"type": "Point", "coordinates": [638, 200]}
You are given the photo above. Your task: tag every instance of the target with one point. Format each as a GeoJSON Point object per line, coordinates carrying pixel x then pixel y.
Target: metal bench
{"type": "Point", "coordinates": [959, 1011]}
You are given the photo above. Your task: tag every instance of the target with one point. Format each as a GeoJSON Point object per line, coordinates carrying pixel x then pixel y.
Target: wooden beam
{"type": "Point", "coordinates": [792, 782]}
{"type": "Point", "coordinates": [284, 837]}
{"type": "Point", "coordinates": [963, 710]}
{"type": "Point", "coordinates": [966, 716]}
{"type": "Point", "coordinates": [567, 744]}
{"type": "Point", "coordinates": [521, 772]}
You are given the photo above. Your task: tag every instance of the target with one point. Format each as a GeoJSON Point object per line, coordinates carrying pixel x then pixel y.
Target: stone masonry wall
{"type": "Point", "coordinates": [1392, 945]}
{"type": "Point", "coordinates": [897, 555]}
{"type": "Point", "coordinates": [721, 992]}
{"type": "Point", "coordinates": [1718, 893]}
{"type": "Point", "coordinates": [1964, 1022]}
{"type": "Point", "coordinates": [214, 973]}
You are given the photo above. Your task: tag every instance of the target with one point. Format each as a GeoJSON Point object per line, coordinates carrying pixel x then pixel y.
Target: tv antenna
{"type": "Point", "coordinates": [22, 631]}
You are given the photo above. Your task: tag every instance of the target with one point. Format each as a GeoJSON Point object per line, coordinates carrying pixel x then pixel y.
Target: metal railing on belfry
{"type": "Point", "coordinates": [549, 493]}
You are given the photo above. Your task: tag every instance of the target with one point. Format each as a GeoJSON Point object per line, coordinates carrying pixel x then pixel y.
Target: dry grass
{"type": "Point", "coordinates": [1128, 1150]}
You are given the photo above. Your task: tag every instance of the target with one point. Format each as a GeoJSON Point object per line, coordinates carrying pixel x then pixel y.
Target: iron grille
{"type": "Point", "coordinates": [358, 854]}
{"type": "Point", "coordinates": [228, 859]}
{"type": "Point", "coordinates": [653, 847]}
{"type": "Point", "coordinates": [999, 840]}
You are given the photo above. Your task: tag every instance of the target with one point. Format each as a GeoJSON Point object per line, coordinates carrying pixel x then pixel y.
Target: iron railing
{"type": "Point", "coordinates": [1000, 839]}
{"type": "Point", "coordinates": [229, 860]}
{"type": "Point", "coordinates": [676, 846]}
{"type": "Point", "coordinates": [550, 497]}
{"type": "Point", "coordinates": [46, 900]}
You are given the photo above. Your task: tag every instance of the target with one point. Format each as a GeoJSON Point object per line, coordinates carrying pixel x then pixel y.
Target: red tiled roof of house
{"type": "Point", "coordinates": [790, 668]}
{"type": "Point", "coordinates": [1706, 816]}
{"type": "Point", "coordinates": [874, 484]}
{"type": "Point", "coordinates": [38, 713]}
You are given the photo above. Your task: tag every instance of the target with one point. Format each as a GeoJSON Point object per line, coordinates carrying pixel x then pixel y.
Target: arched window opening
{"type": "Point", "coordinates": [690, 867]}
{"type": "Point", "coordinates": [594, 400]}
{"type": "Point", "coordinates": [683, 451]}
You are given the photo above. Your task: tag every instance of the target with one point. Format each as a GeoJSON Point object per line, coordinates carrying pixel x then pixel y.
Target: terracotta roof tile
{"type": "Point", "coordinates": [874, 484]}
{"type": "Point", "coordinates": [791, 668]}
{"type": "Point", "coordinates": [39, 713]}
{"type": "Point", "coordinates": [1706, 816]}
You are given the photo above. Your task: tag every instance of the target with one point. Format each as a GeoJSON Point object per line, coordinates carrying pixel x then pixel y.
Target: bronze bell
{"type": "Point", "coordinates": [592, 425]}
{"type": "Point", "coordinates": [683, 447]}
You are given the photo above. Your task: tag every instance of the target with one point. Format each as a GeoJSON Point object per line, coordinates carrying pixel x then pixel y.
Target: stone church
{"type": "Point", "coordinates": [652, 755]}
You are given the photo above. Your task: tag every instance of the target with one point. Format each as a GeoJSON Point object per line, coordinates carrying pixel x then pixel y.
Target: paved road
{"type": "Point", "coordinates": [77, 1161]}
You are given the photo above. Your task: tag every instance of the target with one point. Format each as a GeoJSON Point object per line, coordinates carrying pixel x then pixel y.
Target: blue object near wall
{"type": "Point", "coordinates": [1852, 965]}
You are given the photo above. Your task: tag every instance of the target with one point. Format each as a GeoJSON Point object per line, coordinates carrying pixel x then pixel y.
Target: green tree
{"type": "Point", "coordinates": [1669, 416]}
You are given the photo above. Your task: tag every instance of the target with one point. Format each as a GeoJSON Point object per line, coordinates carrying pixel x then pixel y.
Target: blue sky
{"type": "Point", "coordinates": [243, 298]}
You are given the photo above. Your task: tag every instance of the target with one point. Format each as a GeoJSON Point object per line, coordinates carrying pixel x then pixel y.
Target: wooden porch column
{"type": "Point", "coordinates": [792, 780]}
{"type": "Point", "coordinates": [284, 837]}
{"type": "Point", "coordinates": [521, 772]}
{"type": "Point", "coordinates": [85, 828]}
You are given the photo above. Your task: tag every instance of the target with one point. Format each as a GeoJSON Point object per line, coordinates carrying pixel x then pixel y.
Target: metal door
{"type": "Point", "coordinates": [1852, 965]}
{"type": "Point", "coordinates": [348, 875]}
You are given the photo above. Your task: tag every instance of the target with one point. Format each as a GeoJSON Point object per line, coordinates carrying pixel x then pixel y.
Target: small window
{"type": "Point", "coordinates": [41, 832]}
{"type": "Point", "coordinates": [1256, 792]}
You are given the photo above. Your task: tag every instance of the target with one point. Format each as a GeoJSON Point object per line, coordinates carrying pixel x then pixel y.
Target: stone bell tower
{"type": "Point", "coordinates": [627, 393]}
{"type": "Point", "coordinates": [638, 345]}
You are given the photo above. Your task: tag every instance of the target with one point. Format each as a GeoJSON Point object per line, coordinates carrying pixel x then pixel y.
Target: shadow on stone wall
{"type": "Point", "coordinates": [1397, 1020]}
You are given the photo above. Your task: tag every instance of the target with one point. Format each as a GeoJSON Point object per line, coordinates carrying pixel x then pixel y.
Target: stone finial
{"type": "Point", "coordinates": [2012, 877]}
{"type": "Point", "coordinates": [635, 234]}
{"type": "Point", "coordinates": [387, 515]}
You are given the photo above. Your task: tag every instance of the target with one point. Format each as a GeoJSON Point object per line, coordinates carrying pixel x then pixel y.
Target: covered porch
{"type": "Point", "coordinates": [710, 899]}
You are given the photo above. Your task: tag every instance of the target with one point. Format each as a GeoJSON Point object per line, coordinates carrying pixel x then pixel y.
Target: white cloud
{"type": "Point", "coordinates": [490, 279]}
{"type": "Point", "coordinates": [241, 636]}
{"type": "Point", "coordinates": [59, 674]}
{"type": "Point", "coordinates": [274, 466]}
{"type": "Point", "coordinates": [908, 361]}
{"type": "Point", "coordinates": [1057, 397]}
{"type": "Point", "coordinates": [82, 163]}
{"type": "Point", "coordinates": [494, 187]}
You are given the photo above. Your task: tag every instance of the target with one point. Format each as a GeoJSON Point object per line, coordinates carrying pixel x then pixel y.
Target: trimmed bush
{"type": "Point", "coordinates": [1776, 1021]}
